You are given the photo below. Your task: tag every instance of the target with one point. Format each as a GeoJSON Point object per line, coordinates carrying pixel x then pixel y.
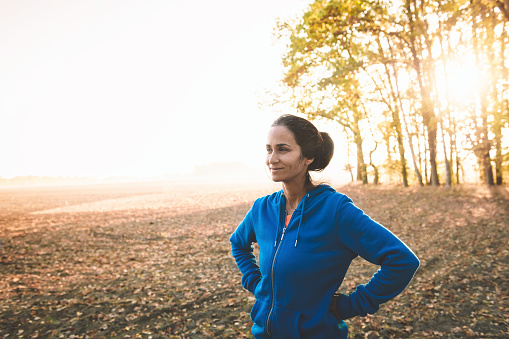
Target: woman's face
{"type": "Point", "coordinates": [284, 157]}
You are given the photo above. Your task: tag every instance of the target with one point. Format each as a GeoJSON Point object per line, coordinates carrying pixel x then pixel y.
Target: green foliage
{"type": "Point", "coordinates": [395, 67]}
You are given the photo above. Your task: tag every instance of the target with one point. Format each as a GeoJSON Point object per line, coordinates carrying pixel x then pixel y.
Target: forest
{"type": "Point", "coordinates": [419, 87]}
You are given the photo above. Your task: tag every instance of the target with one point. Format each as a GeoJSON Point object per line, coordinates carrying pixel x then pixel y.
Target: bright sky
{"type": "Point", "coordinates": [143, 88]}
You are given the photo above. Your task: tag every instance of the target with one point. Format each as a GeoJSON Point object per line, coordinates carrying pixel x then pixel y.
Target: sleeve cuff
{"type": "Point", "coordinates": [344, 307]}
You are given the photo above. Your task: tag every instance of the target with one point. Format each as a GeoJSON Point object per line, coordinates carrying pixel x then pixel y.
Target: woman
{"type": "Point", "coordinates": [308, 235]}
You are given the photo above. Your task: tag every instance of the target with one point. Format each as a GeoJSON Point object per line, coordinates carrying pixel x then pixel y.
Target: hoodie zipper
{"type": "Point", "coordinates": [272, 275]}
{"type": "Point", "coordinates": [302, 202]}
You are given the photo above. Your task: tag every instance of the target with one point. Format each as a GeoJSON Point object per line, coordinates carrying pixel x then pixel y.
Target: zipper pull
{"type": "Point", "coordinates": [282, 235]}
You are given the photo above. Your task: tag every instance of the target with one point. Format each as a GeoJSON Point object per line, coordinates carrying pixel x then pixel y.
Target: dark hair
{"type": "Point", "coordinates": [313, 144]}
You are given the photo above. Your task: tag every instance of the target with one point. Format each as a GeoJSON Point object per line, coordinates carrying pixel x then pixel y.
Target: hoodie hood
{"type": "Point", "coordinates": [308, 201]}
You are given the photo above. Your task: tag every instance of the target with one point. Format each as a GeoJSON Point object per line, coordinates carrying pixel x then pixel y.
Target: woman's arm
{"type": "Point", "coordinates": [378, 245]}
{"type": "Point", "coordinates": [242, 249]}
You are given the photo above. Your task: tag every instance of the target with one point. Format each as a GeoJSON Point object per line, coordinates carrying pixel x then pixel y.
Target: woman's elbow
{"type": "Point", "coordinates": [413, 262]}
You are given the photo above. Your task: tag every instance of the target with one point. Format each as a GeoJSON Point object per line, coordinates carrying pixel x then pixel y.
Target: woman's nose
{"type": "Point", "coordinates": [273, 158]}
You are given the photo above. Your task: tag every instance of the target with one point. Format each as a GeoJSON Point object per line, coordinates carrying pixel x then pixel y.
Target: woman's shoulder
{"type": "Point", "coordinates": [332, 195]}
{"type": "Point", "coordinates": [272, 199]}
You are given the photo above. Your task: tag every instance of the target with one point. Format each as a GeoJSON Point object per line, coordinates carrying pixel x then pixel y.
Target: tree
{"type": "Point", "coordinates": [326, 52]}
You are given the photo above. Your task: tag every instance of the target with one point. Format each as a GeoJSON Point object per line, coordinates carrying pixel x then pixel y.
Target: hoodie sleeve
{"type": "Point", "coordinates": [378, 245]}
{"type": "Point", "coordinates": [242, 249]}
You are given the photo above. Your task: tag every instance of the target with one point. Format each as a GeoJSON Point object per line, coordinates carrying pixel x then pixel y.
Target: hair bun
{"type": "Point", "coordinates": [324, 157]}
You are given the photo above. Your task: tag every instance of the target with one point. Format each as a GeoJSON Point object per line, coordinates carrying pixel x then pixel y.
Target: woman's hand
{"type": "Point", "coordinates": [333, 306]}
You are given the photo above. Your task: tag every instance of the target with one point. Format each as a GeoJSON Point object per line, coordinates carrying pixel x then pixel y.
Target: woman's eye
{"type": "Point", "coordinates": [283, 150]}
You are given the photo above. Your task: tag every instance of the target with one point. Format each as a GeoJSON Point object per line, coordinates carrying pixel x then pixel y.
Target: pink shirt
{"type": "Point", "coordinates": [288, 217]}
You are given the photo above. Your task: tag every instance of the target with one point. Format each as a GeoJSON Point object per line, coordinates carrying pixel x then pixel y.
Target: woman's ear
{"type": "Point", "coordinates": [309, 161]}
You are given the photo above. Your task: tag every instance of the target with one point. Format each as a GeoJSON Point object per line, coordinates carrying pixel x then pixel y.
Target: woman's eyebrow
{"type": "Point", "coordinates": [279, 145]}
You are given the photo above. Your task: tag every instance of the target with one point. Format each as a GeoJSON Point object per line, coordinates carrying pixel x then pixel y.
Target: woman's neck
{"type": "Point", "coordinates": [294, 194]}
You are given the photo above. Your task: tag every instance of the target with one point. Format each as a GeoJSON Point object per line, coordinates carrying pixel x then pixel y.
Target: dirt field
{"type": "Point", "coordinates": [153, 261]}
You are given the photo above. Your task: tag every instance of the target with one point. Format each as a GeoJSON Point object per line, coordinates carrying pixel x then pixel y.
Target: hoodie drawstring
{"type": "Point", "coordinates": [300, 219]}
{"type": "Point", "coordinates": [277, 226]}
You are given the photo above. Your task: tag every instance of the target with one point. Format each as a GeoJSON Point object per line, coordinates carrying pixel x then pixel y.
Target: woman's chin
{"type": "Point", "coordinates": [276, 178]}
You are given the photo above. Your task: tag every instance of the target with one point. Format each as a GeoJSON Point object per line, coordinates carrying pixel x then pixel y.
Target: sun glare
{"type": "Point", "coordinates": [463, 82]}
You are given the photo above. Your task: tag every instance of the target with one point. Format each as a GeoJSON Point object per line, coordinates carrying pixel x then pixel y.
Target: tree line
{"type": "Point", "coordinates": [425, 81]}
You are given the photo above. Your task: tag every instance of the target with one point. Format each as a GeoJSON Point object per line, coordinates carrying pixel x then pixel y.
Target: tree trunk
{"type": "Point", "coordinates": [425, 144]}
{"type": "Point", "coordinates": [361, 165]}
{"type": "Point", "coordinates": [498, 152]}
{"type": "Point", "coordinates": [375, 170]}
{"type": "Point", "coordinates": [432, 138]}
{"type": "Point", "coordinates": [429, 108]}
{"type": "Point", "coordinates": [428, 116]}
{"type": "Point", "coordinates": [448, 175]}
{"type": "Point", "coordinates": [419, 148]}
{"type": "Point", "coordinates": [498, 115]}
{"type": "Point", "coordinates": [401, 148]}
{"type": "Point", "coordinates": [351, 172]}
{"type": "Point", "coordinates": [458, 169]}
{"type": "Point", "coordinates": [446, 160]}
{"type": "Point", "coordinates": [497, 106]}
{"type": "Point", "coordinates": [348, 164]}
{"type": "Point", "coordinates": [395, 114]}
{"type": "Point", "coordinates": [454, 150]}
{"type": "Point", "coordinates": [483, 143]}
{"type": "Point", "coordinates": [488, 169]}
{"type": "Point", "coordinates": [483, 150]}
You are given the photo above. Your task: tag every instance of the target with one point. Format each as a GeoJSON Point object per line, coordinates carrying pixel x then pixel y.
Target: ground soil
{"type": "Point", "coordinates": [153, 261]}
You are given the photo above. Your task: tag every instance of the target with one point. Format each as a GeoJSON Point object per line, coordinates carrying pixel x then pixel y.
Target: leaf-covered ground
{"type": "Point", "coordinates": [154, 261]}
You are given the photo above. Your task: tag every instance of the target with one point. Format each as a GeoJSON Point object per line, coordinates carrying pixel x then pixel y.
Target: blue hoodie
{"type": "Point", "coordinates": [300, 268]}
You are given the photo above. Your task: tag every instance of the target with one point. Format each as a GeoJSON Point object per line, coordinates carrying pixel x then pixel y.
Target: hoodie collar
{"type": "Point", "coordinates": [307, 200]}
{"type": "Point", "coordinates": [279, 197]}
